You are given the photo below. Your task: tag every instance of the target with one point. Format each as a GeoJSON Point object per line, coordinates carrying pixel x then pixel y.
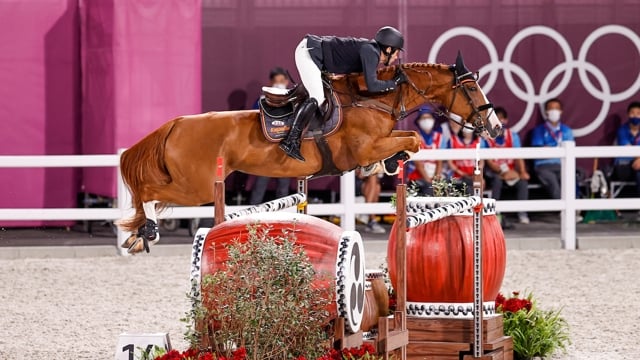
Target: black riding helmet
{"type": "Point", "coordinates": [389, 36]}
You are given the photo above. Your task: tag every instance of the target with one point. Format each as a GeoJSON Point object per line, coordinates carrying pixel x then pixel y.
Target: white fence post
{"type": "Point", "coordinates": [123, 201]}
{"type": "Point", "coordinates": [348, 200]}
{"type": "Point", "coordinates": [568, 215]}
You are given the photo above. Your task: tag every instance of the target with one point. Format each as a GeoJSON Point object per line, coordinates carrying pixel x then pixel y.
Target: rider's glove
{"type": "Point", "coordinates": [400, 77]}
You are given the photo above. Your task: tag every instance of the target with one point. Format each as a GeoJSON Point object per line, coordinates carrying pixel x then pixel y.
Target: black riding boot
{"type": "Point", "coordinates": [291, 144]}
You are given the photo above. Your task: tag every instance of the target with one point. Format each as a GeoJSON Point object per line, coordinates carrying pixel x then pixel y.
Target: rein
{"type": "Point", "coordinates": [398, 110]}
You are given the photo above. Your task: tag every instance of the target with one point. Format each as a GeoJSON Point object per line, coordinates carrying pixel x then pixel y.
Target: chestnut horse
{"type": "Point", "coordinates": [176, 163]}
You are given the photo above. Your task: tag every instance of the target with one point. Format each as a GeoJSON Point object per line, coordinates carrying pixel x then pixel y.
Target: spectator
{"type": "Point", "coordinates": [508, 172]}
{"type": "Point", "coordinates": [370, 188]}
{"type": "Point", "coordinates": [462, 170]}
{"type": "Point", "coordinates": [552, 133]}
{"type": "Point", "coordinates": [628, 169]}
{"type": "Point", "coordinates": [279, 79]}
{"type": "Point", "coordinates": [422, 173]}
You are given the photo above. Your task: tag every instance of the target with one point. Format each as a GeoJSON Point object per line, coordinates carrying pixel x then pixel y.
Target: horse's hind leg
{"type": "Point", "coordinates": [148, 234]}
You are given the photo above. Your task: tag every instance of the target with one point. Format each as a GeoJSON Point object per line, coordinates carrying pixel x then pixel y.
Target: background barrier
{"type": "Point", "coordinates": [347, 208]}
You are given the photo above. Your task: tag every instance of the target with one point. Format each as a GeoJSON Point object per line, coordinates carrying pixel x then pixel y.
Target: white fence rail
{"type": "Point", "coordinates": [348, 208]}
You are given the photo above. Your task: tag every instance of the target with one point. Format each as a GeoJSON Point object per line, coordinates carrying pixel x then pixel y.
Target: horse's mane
{"type": "Point", "coordinates": [415, 65]}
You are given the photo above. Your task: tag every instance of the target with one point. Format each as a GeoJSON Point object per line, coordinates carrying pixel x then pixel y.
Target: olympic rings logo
{"type": "Point", "coordinates": [529, 94]}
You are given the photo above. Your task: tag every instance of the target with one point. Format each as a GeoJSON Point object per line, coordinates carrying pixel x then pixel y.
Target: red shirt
{"type": "Point", "coordinates": [465, 166]}
{"type": "Point", "coordinates": [436, 139]}
{"type": "Point", "coordinates": [508, 143]}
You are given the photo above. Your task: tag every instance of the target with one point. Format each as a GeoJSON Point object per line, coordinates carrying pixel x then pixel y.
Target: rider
{"type": "Point", "coordinates": [340, 55]}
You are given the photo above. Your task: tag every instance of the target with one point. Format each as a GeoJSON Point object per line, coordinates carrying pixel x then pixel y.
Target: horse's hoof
{"type": "Point", "coordinates": [372, 169]}
{"type": "Point", "coordinates": [136, 247]}
{"type": "Point", "coordinates": [130, 241]}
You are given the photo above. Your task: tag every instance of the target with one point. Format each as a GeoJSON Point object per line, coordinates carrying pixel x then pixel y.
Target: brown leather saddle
{"type": "Point", "coordinates": [277, 112]}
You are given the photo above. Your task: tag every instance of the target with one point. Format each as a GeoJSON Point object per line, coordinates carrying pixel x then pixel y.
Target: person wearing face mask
{"type": "Point", "coordinates": [279, 79]}
{"type": "Point", "coordinates": [628, 169]}
{"type": "Point", "coordinates": [462, 170]}
{"type": "Point", "coordinates": [422, 173]}
{"type": "Point", "coordinates": [511, 173]}
{"type": "Point", "coordinates": [552, 133]}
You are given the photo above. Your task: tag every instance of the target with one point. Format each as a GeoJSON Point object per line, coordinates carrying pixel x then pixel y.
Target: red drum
{"type": "Point", "coordinates": [330, 250]}
{"type": "Point", "coordinates": [440, 259]}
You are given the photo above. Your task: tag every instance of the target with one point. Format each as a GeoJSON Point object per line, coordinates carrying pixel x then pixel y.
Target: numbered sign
{"type": "Point", "coordinates": [140, 346]}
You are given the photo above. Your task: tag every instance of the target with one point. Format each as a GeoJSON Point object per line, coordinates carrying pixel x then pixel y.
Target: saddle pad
{"type": "Point", "coordinates": [276, 122]}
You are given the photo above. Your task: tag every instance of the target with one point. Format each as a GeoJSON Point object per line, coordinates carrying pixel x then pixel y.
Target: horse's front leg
{"type": "Point", "coordinates": [403, 133]}
{"type": "Point", "coordinates": [148, 233]}
{"type": "Point", "coordinates": [386, 147]}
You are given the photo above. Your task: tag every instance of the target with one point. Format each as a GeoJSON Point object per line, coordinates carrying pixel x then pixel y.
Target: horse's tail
{"type": "Point", "coordinates": [143, 164]}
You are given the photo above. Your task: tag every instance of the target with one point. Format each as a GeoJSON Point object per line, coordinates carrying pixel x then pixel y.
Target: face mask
{"type": "Point", "coordinates": [635, 120]}
{"type": "Point", "coordinates": [280, 86]}
{"type": "Point", "coordinates": [426, 124]}
{"type": "Point", "coordinates": [553, 115]}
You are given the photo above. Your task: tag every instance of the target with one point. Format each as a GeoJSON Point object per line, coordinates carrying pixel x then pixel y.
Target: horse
{"type": "Point", "coordinates": [176, 163]}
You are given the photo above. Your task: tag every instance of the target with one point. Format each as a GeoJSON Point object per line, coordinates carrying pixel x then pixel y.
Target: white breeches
{"type": "Point", "coordinates": [309, 73]}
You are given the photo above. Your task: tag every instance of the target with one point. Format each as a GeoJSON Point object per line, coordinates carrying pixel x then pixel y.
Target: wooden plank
{"type": "Point", "coordinates": [396, 340]}
{"type": "Point", "coordinates": [492, 322]}
{"type": "Point", "coordinates": [505, 342]}
{"type": "Point", "coordinates": [437, 347]}
{"type": "Point", "coordinates": [432, 357]}
{"type": "Point", "coordinates": [352, 340]}
{"type": "Point", "coordinates": [493, 355]}
{"type": "Point", "coordinates": [452, 330]}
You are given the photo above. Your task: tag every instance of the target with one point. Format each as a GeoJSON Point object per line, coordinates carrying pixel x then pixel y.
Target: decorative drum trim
{"type": "Point", "coordinates": [448, 310]}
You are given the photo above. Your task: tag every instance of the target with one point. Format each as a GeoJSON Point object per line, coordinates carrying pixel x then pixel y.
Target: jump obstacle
{"type": "Point", "coordinates": [393, 332]}
{"type": "Point", "coordinates": [447, 337]}
{"type": "Point", "coordinates": [347, 253]}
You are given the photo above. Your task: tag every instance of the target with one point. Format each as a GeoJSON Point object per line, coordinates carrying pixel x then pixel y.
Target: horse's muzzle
{"type": "Point", "coordinates": [494, 131]}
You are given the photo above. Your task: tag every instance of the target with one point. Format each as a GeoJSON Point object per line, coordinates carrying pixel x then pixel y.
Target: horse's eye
{"type": "Point", "coordinates": [472, 88]}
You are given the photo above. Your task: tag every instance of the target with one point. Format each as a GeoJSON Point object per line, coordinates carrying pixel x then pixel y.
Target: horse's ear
{"type": "Point", "coordinates": [460, 64]}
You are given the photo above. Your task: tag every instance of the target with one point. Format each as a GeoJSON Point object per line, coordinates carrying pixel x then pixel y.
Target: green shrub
{"type": "Point", "coordinates": [266, 300]}
{"type": "Point", "coordinates": [535, 332]}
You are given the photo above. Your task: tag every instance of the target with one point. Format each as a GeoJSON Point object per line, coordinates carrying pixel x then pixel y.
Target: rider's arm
{"type": "Point", "coordinates": [370, 57]}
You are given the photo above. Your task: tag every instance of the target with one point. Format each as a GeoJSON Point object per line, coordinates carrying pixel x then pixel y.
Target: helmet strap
{"type": "Point", "coordinates": [388, 55]}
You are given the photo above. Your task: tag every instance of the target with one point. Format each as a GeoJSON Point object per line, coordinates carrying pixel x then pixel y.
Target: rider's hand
{"type": "Point", "coordinates": [400, 77]}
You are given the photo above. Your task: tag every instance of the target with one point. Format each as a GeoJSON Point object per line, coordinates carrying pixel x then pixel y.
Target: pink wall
{"type": "Point", "coordinates": [141, 68]}
{"type": "Point", "coordinates": [39, 100]}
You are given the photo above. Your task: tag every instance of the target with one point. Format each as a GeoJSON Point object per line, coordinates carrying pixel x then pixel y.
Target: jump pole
{"type": "Point", "coordinates": [477, 262]}
{"type": "Point", "coordinates": [302, 189]}
{"type": "Point", "coordinates": [401, 254]}
{"type": "Point", "coordinates": [218, 192]}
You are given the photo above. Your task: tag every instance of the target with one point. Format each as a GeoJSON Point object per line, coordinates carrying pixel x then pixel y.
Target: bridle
{"type": "Point", "coordinates": [474, 118]}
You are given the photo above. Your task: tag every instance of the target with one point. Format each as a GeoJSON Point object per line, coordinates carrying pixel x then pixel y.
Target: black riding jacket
{"type": "Point", "coordinates": [344, 55]}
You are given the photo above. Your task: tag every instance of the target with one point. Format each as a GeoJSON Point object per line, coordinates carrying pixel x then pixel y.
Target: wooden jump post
{"type": "Point", "coordinates": [392, 332]}
{"type": "Point", "coordinates": [218, 192]}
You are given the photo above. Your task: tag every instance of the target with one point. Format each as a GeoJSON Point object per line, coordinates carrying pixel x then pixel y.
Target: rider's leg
{"type": "Point", "coordinates": [312, 80]}
{"type": "Point", "coordinates": [291, 144]}
{"type": "Point", "coordinates": [309, 73]}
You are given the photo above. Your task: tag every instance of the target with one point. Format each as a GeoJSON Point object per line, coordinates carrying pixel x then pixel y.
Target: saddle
{"type": "Point", "coordinates": [277, 111]}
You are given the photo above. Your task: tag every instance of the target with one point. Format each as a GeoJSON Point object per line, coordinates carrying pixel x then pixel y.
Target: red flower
{"type": "Point", "coordinates": [171, 355]}
{"type": "Point", "coordinates": [240, 354]}
{"type": "Point", "coordinates": [206, 356]}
